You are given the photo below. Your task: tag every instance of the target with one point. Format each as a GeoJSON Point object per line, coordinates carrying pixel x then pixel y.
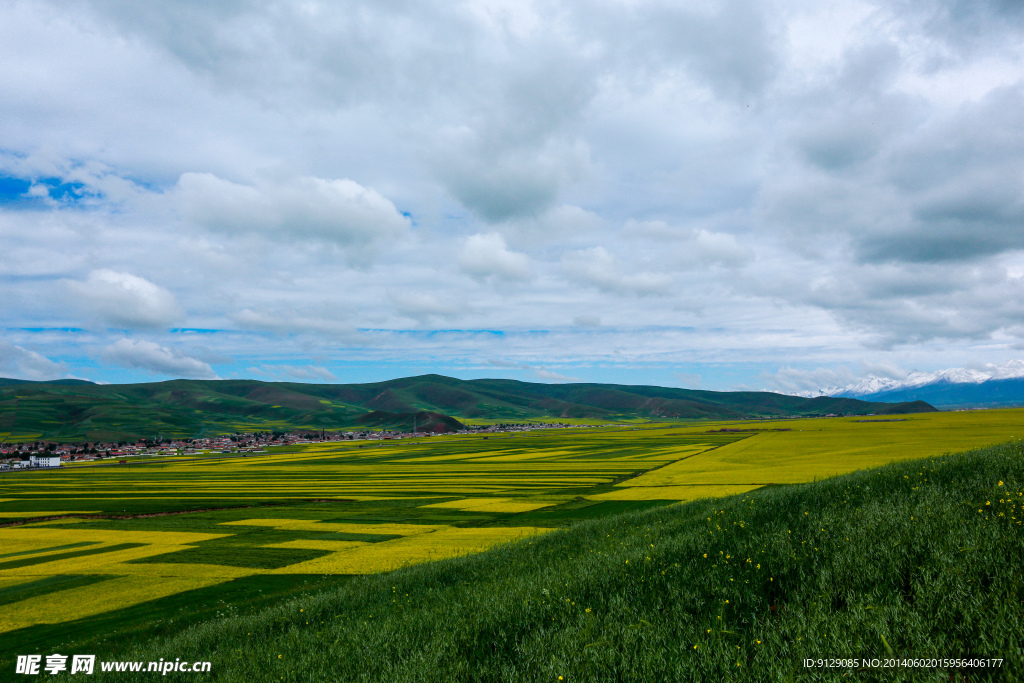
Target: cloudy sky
{"type": "Point", "coordinates": [722, 194]}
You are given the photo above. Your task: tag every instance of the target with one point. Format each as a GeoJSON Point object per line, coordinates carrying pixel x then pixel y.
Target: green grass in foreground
{"type": "Point", "coordinates": [165, 617]}
{"type": "Point", "coordinates": [916, 559]}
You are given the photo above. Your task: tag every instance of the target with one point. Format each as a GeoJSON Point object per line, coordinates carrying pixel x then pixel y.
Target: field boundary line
{"type": "Point", "coordinates": [633, 475]}
{"type": "Point", "coordinates": [165, 513]}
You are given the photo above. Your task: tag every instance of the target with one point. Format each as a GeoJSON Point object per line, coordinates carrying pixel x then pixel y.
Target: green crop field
{"type": "Point", "coordinates": [98, 556]}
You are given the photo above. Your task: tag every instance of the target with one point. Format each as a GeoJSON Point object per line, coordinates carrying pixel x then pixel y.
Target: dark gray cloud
{"type": "Point", "coordinates": [730, 47]}
{"type": "Point", "coordinates": [967, 26]}
{"type": "Point", "coordinates": [960, 185]}
{"type": "Point", "coordinates": [907, 304]}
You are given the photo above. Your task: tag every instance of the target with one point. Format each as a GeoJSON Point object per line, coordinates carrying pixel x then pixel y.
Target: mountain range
{"type": "Point", "coordinates": [993, 386]}
{"type": "Point", "coordinates": [76, 410]}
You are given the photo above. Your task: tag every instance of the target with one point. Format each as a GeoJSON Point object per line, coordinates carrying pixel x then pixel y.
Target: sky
{"type": "Point", "coordinates": [722, 195]}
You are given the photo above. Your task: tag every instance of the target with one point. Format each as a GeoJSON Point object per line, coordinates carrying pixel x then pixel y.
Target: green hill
{"type": "Point", "coordinates": [82, 411]}
{"type": "Point", "coordinates": [423, 421]}
{"type": "Point", "coordinates": [919, 561]}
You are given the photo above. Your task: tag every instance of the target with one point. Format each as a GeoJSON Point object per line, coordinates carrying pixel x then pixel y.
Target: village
{"type": "Point", "coordinates": [48, 454]}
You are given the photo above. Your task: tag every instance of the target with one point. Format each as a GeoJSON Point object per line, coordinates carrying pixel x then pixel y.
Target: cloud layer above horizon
{"type": "Point", "coordinates": [730, 194]}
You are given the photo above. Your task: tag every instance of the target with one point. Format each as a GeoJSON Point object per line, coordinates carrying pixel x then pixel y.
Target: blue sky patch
{"type": "Point", "coordinates": [64, 192]}
{"type": "Point", "coordinates": [13, 189]}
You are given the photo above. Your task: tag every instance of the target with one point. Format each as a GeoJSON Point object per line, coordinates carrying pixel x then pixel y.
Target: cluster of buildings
{"type": "Point", "coordinates": [50, 454]}
{"type": "Point", "coordinates": [33, 455]}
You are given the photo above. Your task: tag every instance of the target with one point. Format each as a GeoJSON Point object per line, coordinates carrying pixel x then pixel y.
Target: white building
{"type": "Point", "coordinates": [44, 460]}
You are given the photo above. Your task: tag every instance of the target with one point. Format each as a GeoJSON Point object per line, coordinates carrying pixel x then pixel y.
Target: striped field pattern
{"type": "Point", "coordinates": [115, 539]}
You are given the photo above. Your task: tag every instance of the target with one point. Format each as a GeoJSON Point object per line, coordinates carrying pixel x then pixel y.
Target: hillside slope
{"type": "Point", "coordinates": [82, 411]}
{"type": "Point", "coordinates": [920, 559]}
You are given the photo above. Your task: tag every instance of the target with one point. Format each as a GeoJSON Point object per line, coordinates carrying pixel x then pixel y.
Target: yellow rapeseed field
{"type": "Point", "coordinates": [493, 505]}
{"type": "Point", "coordinates": [680, 493]}
{"type": "Point", "coordinates": [138, 582]}
{"type": "Point", "coordinates": [815, 449]}
{"type": "Point", "coordinates": [42, 537]}
{"type": "Point", "coordinates": [314, 544]}
{"type": "Point", "coordinates": [326, 527]}
{"type": "Point", "coordinates": [23, 515]}
{"type": "Point", "coordinates": [85, 601]}
{"type": "Point", "coordinates": [471, 477]}
{"type": "Point", "coordinates": [389, 555]}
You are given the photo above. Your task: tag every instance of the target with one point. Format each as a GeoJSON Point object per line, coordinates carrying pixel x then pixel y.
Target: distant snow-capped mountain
{"type": "Point", "coordinates": [989, 386]}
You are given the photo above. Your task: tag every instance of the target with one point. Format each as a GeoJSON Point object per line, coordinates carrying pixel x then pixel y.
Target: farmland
{"type": "Point", "coordinates": [307, 518]}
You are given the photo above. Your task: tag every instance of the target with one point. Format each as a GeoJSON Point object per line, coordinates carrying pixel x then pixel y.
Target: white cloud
{"type": "Point", "coordinates": [551, 376]}
{"type": "Point", "coordinates": [339, 211]}
{"type": "Point", "coordinates": [293, 322]}
{"type": "Point", "coordinates": [283, 372]}
{"type": "Point", "coordinates": [310, 372]}
{"type": "Point", "coordinates": [502, 363]}
{"type": "Point", "coordinates": [486, 256]}
{"type": "Point", "coordinates": [20, 363]}
{"type": "Point", "coordinates": [538, 371]}
{"type": "Point", "coordinates": [694, 247]}
{"type": "Point", "coordinates": [814, 382]}
{"type": "Point", "coordinates": [507, 181]}
{"type": "Point", "coordinates": [688, 380]}
{"type": "Point", "coordinates": [562, 223]}
{"type": "Point", "coordinates": [598, 268]}
{"type": "Point", "coordinates": [425, 306]}
{"type": "Point", "coordinates": [159, 360]}
{"type": "Point", "coordinates": [808, 183]}
{"type": "Point", "coordinates": [126, 300]}
{"type": "Point", "coordinates": [716, 248]}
